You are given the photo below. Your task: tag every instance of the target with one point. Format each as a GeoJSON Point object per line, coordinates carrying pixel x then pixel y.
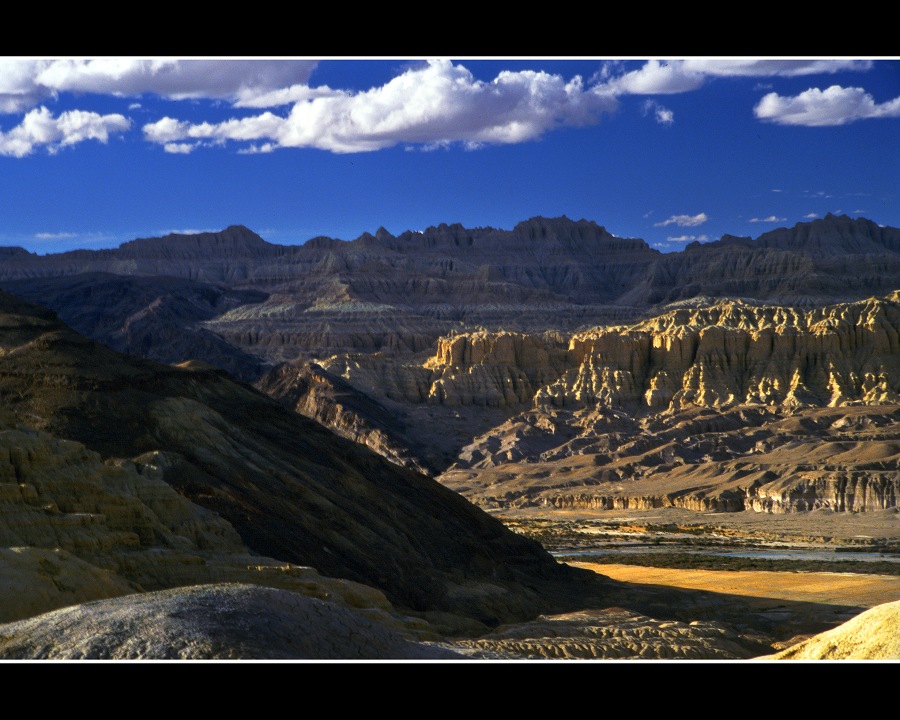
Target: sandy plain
{"type": "Point", "coordinates": [789, 599]}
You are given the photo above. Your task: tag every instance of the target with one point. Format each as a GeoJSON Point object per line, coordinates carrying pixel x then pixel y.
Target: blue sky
{"type": "Point", "coordinates": [98, 151]}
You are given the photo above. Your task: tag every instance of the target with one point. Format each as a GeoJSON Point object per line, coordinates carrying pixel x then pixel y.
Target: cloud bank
{"type": "Point", "coordinates": [435, 103]}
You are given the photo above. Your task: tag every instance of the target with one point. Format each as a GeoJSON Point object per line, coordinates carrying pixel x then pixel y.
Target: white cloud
{"type": "Point", "coordinates": [688, 238]}
{"type": "Point", "coordinates": [185, 231]}
{"type": "Point", "coordinates": [55, 236]}
{"type": "Point", "coordinates": [40, 129]}
{"type": "Point", "coordinates": [26, 83]}
{"type": "Point", "coordinates": [176, 79]}
{"type": "Point", "coordinates": [743, 67]}
{"type": "Point", "coordinates": [665, 77]}
{"type": "Point", "coordinates": [656, 77]}
{"type": "Point", "coordinates": [835, 105]}
{"type": "Point", "coordinates": [18, 90]}
{"type": "Point", "coordinates": [684, 220]}
{"type": "Point", "coordinates": [437, 102]}
{"type": "Point", "coordinates": [179, 148]}
{"type": "Point", "coordinates": [286, 96]}
{"type": "Point", "coordinates": [663, 115]}
{"type": "Point", "coordinates": [811, 216]}
{"type": "Point", "coordinates": [769, 219]}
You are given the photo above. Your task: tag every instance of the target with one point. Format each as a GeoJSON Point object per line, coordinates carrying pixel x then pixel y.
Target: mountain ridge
{"type": "Point", "coordinates": [240, 237]}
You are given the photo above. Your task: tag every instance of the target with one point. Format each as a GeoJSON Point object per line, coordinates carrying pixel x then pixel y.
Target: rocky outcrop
{"type": "Point", "coordinates": [494, 369]}
{"type": "Point", "coordinates": [74, 528]}
{"type": "Point", "coordinates": [610, 634]}
{"type": "Point", "coordinates": [732, 353]}
{"type": "Point", "coordinates": [209, 622]}
{"type": "Point", "coordinates": [724, 354]}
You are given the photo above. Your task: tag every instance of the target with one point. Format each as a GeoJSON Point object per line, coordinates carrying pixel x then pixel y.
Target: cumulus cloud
{"type": "Point", "coordinates": [835, 105]}
{"type": "Point", "coordinates": [811, 216]}
{"type": "Point", "coordinates": [26, 83]}
{"type": "Point", "coordinates": [437, 102]}
{"type": "Point", "coordinates": [18, 89]}
{"type": "Point", "coordinates": [39, 128]}
{"type": "Point", "coordinates": [769, 219]}
{"type": "Point", "coordinates": [178, 148]}
{"type": "Point", "coordinates": [684, 220]}
{"type": "Point", "coordinates": [663, 115]}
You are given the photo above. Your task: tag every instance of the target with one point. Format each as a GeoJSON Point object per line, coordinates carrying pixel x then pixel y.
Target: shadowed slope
{"type": "Point", "coordinates": [292, 489]}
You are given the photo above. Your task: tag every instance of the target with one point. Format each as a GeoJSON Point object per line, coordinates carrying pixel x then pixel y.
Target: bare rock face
{"type": "Point", "coordinates": [37, 580]}
{"type": "Point", "coordinates": [494, 369]}
{"type": "Point", "coordinates": [871, 635]}
{"type": "Point", "coordinates": [716, 356]}
{"type": "Point", "coordinates": [736, 353]}
{"type": "Point", "coordinates": [717, 408]}
{"type": "Point", "coordinates": [209, 622]}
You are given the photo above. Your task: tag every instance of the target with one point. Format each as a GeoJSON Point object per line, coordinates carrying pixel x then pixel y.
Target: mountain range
{"type": "Point", "coordinates": [328, 417]}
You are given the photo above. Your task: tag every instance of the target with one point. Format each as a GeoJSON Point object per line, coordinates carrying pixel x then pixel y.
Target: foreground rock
{"type": "Point", "coordinates": [209, 622]}
{"type": "Point", "coordinates": [872, 635]}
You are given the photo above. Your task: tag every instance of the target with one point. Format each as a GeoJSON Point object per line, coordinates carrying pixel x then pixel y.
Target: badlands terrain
{"type": "Point", "coordinates": [547, 442]}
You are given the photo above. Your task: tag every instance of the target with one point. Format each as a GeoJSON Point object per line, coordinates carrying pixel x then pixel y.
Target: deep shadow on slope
{"type": "Point", "coordinates": [291, 488]}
